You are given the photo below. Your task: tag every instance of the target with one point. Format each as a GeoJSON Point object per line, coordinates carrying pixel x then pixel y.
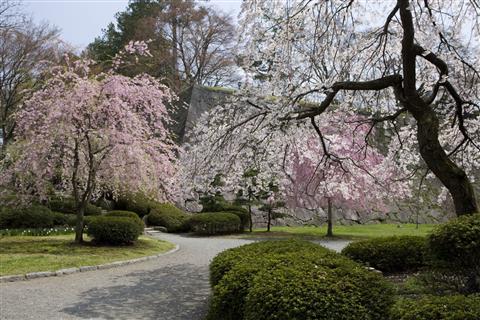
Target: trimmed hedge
{"type": "Point", "coordinates": [138, 203]}
{"type": "Point", "coordinates": [168, 216]}
{"type": "Point", "coordinates": [210, 223]}
{"type": "Point", "coordinates": [457, 242]}
{"type": "Point", "coordinates": [294, 280]}
{"type": "Point", "coordinates": [67, 205]}
{"type": "Point", "coordinates": [390, 254]}
{"type": "Point", "coordinates": [223, 206]}
{"type": "Point", "coordinates": [114, 230]}
{"type": "Point", "coordinates": [35, 216]}
{"type": "Point", "coordinates": [227, 259]}
{"type": "Point", "coordinates": [456, 307]}
{"type": "Point", "coordinates": [128, 214]}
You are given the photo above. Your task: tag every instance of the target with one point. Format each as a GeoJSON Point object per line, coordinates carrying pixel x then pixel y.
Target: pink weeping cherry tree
{"type": "Point", "coordinates": [336, 169]}
{"type": "Point", "coordinates": [92, 133]}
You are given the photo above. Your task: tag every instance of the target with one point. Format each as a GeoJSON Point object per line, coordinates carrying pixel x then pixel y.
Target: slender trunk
{"type": "Point", "coordinates": [250, 217]}
{"type": "Point", "coordinates": [329, 219]}
{"type": "Point", "coordinates": [79, 226]}
{"type": "Point", "coordinates": [269, 219]}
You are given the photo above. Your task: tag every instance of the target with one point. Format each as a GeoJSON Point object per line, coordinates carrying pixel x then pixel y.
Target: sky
{"type": "Point", "coordinates": [81, 21]}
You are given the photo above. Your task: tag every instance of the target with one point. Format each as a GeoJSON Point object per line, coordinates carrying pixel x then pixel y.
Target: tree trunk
{"type": "Point", "coordinates": [269, 219]}
{"type": "Point", "coordinates": [452, 176]}
{"type": "Point", "coordinates": [250, 217]}
{"type": "Point", "coordinates": [79, 226]}
{"type": "Point", "coordinates": [329, 219]}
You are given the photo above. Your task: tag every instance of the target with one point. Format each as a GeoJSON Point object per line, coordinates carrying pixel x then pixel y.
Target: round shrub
{"type": "Point", "coordinates": [294, 280]}
{"type": "Point", "coordinates": [114, 230]}
{"type": "Point", "coordinates": [390, 254]}
{"type": "Point", "coordinates": [457, 242]}
{"type": "Point", "coordinates": [67, 205]}
{"type": "Point", "coordinates": [232, 272]}
{"type": "Point", "coordinates": [226, 260]}
{"type": "Point", "coordinates": [168, 216]}
{"type": "Point", "coordinates": [210, 223]}
{"type": "Point", "coordinates": [127, 214]}
{"type": "Point", "coordinates": [138, 203]}
{"type": "Point", "coordinates": [455, 307]}
{"type": "Point", "coordinates": [315, 288]}
{"type": "Point", "coordinates": [35, 216]}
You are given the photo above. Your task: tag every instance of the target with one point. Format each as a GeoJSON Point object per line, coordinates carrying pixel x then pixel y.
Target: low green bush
{"type": "Point", "coordinates": [70, 219]}
{"type": "Point", "coordinates": [59, 219]}
{"type": "Point", "coordinates": [219, 204]}
{"type": "Point", "coordinates": [138, 203]}
{"type": "Point", "coordinates": [67, 205]}
{"type": "Point", "coordinates": [128, 214]}
{"type": "Point", "coordinates": [457, 242]}
{"type": "Point", "coordinates": [168, 216]}
{"type": "Point", "coordinates": [210, 223]}
{"type": "Point", "coordinates": [34, 216]}
{"type": "Point", "coordinates": [390, 254]}
{"type": "Point", "coordinates": [227, 259]}
{"type": "Point", "coordinates": [457, 307]}
{"type": "Point", "coordinates": [455, 254]}
{"type": "Point", "coordinates": [294, 280]}
{"type": "Point", "coordinates": [114, 230]}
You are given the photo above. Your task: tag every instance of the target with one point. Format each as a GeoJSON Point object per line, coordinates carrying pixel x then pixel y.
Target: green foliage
{"type": "Point", "coordinates": [390, 254]}
{"type": "Point", "coordinates": [55, 231]}
{"type": "Point", "coordinates": [34, 216]}
{"type": "Point", "coordinates": [128, 214]}
{"type": "Point", "coordinates": [294, 280]}
{"type": "Point", "coordinates": [227, 259]}
{"type": "Point", "coordinates": [71, 219]}
{"type": "Point", "coordinates": [168, 216]}
{"type": "Point", "coordinates": [59, 219]}
{"type": "Point", "coordinates": [210, 223]}
{"type": "Point", "coordinates": [138, 203]}
{"type": "Point", "coordinates": [114, 230]}
{"type": "Point", "coordinates": [428, 307]}
{"type": "Point", "coordinates": [457, 242]}
{"type": "Point", "coordinates": [67, 205]}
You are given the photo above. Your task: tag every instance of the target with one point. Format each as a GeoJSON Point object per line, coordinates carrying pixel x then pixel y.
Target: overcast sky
{"type": "Point", "coordinates": [82, 20]}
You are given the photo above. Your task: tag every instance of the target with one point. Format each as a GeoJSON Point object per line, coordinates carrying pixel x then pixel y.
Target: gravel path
{"type": "Point", "coordinates": [174, 286]}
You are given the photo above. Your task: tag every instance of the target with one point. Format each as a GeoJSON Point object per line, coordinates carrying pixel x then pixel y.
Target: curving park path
{"type": "Point", "coordinates": [172, 287]}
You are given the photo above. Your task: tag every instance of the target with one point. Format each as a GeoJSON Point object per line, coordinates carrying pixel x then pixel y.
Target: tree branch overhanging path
{"type": "Point", "coordinates": [409, 95]}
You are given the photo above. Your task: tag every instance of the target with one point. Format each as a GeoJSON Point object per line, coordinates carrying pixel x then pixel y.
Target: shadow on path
{"type": "Point", "coordinates": [179, 292]}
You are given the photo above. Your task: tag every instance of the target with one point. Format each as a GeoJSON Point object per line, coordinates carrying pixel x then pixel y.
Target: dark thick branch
{"type": "Point", "coordinates": [372, 85]}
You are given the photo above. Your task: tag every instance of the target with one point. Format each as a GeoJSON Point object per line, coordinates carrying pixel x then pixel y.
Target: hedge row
{"type": "Point", "coordinates": [210, 223]}
{"type": "Point", "coordinates": [456, 307]}
{"type": "Point", "coordinates": [294, 280]}
{"type": "Point", "coordinates": [389, 254]}
{"type": "Point", "coordinates": [454, 245]}
{"type": "Point", "coordinates": [34, 216]}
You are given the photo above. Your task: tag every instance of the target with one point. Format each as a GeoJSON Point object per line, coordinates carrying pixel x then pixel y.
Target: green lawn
{"type": "Point", "coordinates": [20, 254]}
{"type": "Point", "coordinates": [346, 232]}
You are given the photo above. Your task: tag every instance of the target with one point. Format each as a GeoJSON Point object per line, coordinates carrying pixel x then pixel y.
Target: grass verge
{"type": "Point", "coordinates": [353, 232]}
{"type": "Point", "coordinates": [20, 254]}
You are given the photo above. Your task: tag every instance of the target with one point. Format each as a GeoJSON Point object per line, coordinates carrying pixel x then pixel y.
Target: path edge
{"type": "Point", "coordinates": [67, 271]}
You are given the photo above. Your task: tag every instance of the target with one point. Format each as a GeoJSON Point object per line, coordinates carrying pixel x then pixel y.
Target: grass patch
{"type": "Point", "coordinates": [353, 232]}
{"type": "Point", "coordinates": [21, 254]}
